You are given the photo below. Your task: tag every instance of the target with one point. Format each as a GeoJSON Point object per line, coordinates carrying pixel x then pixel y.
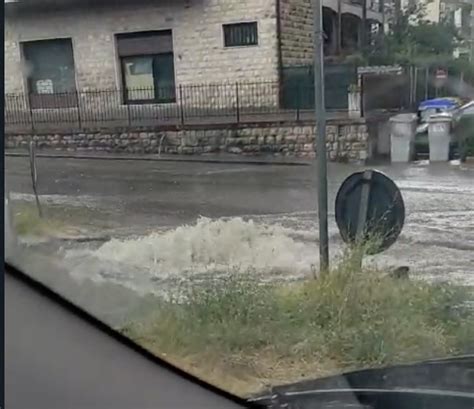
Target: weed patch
{"type": "Point", "coordinates": [244, 335]}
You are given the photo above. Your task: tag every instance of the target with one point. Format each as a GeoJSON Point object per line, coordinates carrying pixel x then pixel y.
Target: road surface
{"type": "Point", "coordinates": [169, 220]}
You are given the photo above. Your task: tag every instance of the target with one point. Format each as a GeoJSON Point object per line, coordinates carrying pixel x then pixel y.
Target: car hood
{"type": "Point", "coordinates": [441, 383]}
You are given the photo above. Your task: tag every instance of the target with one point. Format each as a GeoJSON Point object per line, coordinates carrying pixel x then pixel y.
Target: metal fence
{"type": "Point", "coordinates": [181, 105]}
{"type": "Point", "coordinates": [226, 103]}
{"type": "Point", "coordinates": [386, 92]}
{"type": "Point", "coordinates": [298, 86]}
{"type": "Point", "coordinates": [425, 87]}
{"type": "Point", "coordinates": [406, 89]}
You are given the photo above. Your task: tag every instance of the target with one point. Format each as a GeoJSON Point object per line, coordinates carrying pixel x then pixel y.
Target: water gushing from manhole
{"type": "Point", "coordinates": [209, 246]}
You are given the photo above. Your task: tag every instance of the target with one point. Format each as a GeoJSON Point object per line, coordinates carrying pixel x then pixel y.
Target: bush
{"type": "Point", "coordinates": [256, 334]}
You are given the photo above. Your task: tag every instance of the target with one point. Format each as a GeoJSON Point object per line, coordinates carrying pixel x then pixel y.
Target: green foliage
{"type": "Point", "coordinates": [414, 40]}
{"type": "Point", "coordinates": [433, 38]}
{"type": "Point", "coordinates": [26, 221]}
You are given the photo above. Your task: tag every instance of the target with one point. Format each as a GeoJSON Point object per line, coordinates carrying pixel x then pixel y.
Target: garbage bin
{"type": "Point", "coordinates": [439, 137]}
{"type": "Point", "coordinates": [402, 137]}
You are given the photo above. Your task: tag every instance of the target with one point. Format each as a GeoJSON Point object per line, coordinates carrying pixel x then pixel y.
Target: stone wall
{"type": "Point", "coordinates": [346, 141]}
{"type": "Point", "coordinates": [200, 55]}
{"type": "Point", "coordinates": [296, 32]}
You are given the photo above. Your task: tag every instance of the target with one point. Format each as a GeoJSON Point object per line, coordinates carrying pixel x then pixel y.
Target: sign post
{"type": "Point", "coordinates": [370, 212]}
{"type": "Point", "coordinates": [320, 116]}
{"type": "Point", "coordinates": [441, 78]}
{"type": "Point", "coordinates": [34, 176]}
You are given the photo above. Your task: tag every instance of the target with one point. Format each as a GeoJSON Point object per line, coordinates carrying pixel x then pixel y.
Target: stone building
{"type": "Point", "coordinates": [147, 49]}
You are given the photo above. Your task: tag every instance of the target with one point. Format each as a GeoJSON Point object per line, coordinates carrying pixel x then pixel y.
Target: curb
{"type": "Point", "coordinates": [259, 162]}
{"type": "Point", "coordinates": [83, 239]}
{"type": "Point", "coordinates": [45, 241]}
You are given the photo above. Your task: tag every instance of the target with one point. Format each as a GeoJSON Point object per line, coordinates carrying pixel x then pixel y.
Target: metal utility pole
{"type": "Point", "coordinates": [339, 27]}
{"type": "Point", "coordinates": [472, 35]}
{"type": "Point", "coordinates": [383, 9]}
{"type": "Point", "coordinates": [363, 39]}
{"type": "Point", "coordinates": [398, 14]}
{"type": "Point", "coordinates": [320, 111]}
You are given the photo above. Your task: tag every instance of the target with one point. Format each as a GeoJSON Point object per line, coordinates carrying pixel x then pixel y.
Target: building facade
{"type": "Point", "coordinates": [148, 49]}
{"type": "Point", "coordinates": [461, 14]}
{"type": "Point", "coordinates": [93, 41]}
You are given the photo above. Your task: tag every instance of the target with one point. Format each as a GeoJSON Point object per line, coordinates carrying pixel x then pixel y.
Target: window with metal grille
{"type": "Point", "coordinates": [51, 74]}
{"type": "Point", "coordinates": [240, 34]}
{"type": "Point", "coordinates": [147, 66]}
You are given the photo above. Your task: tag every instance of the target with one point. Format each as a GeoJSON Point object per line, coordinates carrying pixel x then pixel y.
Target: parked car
{"type": "Point", "coordinates": [467, 109]}
{"type": "Point", "coordinates": [436, 106]}
{"type": "Point", "coordinates": [464, 130]}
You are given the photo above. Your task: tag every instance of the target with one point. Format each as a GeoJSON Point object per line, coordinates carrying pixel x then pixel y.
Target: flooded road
{"type": "Point", "coordinates": [171, 220]}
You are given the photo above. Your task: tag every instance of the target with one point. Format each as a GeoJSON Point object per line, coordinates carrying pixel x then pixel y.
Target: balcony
{"type": "Point", "coordinates": [354, 7]}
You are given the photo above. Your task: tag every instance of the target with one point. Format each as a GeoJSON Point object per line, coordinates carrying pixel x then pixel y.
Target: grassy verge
{"type": "Point", "coordinates": [27, 222]}
{"type": "Point", "coordinates": [56, 221]}
{"type": "Point", "coordinates": [60, 220]}
{"type": "Point", "coordinates": [244, 336]}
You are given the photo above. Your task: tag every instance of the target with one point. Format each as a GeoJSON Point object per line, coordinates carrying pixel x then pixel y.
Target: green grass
{"type": "Point", "coordinates": [244, 336]}
{"type": "Point", "coordinates": [57, 220]}
{"type": "Point", "coordinates": [27, 222]}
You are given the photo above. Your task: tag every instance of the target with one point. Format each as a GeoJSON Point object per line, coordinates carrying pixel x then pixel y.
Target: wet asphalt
{"type": "Point", "coordinates": [136, 197]}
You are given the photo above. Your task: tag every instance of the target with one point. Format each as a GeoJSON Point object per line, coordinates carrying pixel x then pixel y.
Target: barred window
{"type": "Point", "coordinates": [147, 66]}
{"type": "Point", "coordinates": [51, 74]}
{"type": "Point", "coordinates": [240, 34]}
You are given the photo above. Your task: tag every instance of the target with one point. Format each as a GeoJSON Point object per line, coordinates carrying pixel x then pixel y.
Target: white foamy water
{"type": "Point", "coordinates": [273, 247]}
{"type": "Point", "coordinates": [209, 246]}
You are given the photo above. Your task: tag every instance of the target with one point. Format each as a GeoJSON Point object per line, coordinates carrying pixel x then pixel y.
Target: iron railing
{"type": "Point", "coordinates": [181, 105]}
{"type": "Point", "coordinates": [292, 99]}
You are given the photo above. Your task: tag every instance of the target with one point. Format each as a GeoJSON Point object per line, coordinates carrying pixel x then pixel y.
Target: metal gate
{"type": "Point", "coordinates": [297, 86]}
{"type": "Point", "coordinates": [387, 92]}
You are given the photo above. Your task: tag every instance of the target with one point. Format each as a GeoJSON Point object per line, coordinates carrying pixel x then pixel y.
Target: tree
{"type": "Point", "coordinates": [414, 40]}
{"type": "Point", "coordinates": [434, 38]}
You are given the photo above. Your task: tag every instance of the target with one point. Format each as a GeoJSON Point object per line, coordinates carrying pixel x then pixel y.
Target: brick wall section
{"type": "Point", "coordinates": [296, 32]}
{"type": "Point", "coordinates": [200, 56]}
{"type": "Point", "coordinates": [345, 142]}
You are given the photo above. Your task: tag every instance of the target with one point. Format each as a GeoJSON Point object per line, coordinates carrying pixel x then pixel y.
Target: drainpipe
{"type": "Point", "coordinates": [384, 17]}
{"type": "Point", "coordinates": [278, 29]}
{"type": "Point", "coordinates": [339, 27]}
{"type": "Point", "coordinates": [279, 51]}
{"type": "Point", "coordinates": [472, 35]}
{"type": "Point", "coordinates": [398, 14]}
{"type": "Point", "coordinates": [363, 38]}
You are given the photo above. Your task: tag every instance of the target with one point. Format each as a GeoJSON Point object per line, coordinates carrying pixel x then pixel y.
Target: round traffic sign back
{"type": "Point", "coordinates": [440, 78]}
{"type": "Point", "coordinates": [369, 206]}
